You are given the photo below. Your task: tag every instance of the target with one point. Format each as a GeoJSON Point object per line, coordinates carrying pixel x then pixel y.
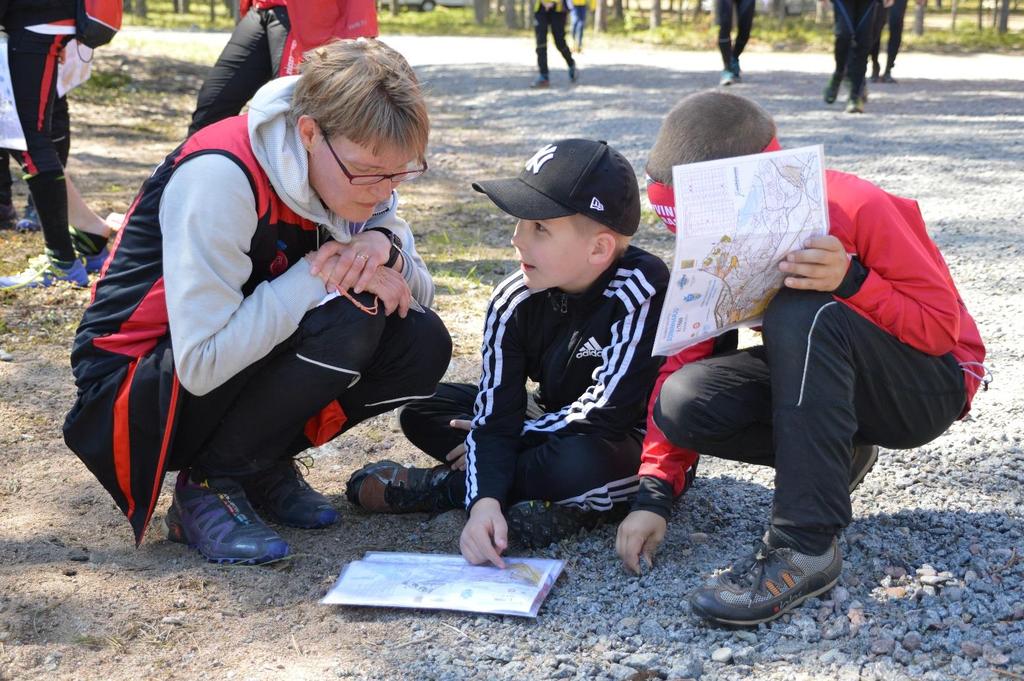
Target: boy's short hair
{"type": "Point", "coordinates": [588, 227]}
{"type": "Point", "coordinates": [706, 126]}
{"type": "Point", "coordinates": [570, 177]}
{"type": "Point", "coordinates": [365, 91]}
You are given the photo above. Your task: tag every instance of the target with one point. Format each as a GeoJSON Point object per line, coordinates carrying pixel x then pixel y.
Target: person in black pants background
{"type": "Point", "coordinates": [854, 20]}
{"type": "Point", "coordinates": [553, 15]}
{"type": "Point", "coordinates": [894, 13]}
{"type": "Point", "coordinates": [730, 50]}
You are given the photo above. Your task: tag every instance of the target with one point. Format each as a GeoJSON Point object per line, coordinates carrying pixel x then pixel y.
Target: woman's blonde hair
{"type": "Point", "coordinates": [367, 92]}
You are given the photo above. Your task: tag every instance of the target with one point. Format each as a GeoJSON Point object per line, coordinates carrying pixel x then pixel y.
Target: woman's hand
{"type": "Point", "coordinates": [351, 265]}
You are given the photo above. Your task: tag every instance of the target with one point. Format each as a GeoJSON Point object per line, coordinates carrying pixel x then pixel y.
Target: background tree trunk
{"type": "Point", "coordinates": [481, 8]}
{"type": "Point", "coordinates": [955, 5]}
{"type": "Point", "coordinates": [511, 16]}
{"type": "Point", "coordinates": [394, 8]}
{"type": "Point", "coordinates": [656, 13]}
{"type": "Point", "coordinates": [620, 13]}
{"type": "Point", "coordinates": [601, 17]}
{"type": "Point", "coordinates": [1004, 16]}
{"type": "Point", "coordinates": [919, 19]}
{"type": "Point", "coordinates": [140, 9]}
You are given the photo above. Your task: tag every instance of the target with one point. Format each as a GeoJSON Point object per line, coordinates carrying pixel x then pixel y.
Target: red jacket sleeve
{"type": "Point", "coordinates": [660, 458]}
{"type": "Point", "coordinates": [907, 291]}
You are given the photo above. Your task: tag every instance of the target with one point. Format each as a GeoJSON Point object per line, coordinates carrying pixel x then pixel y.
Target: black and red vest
{"type": "Point", "coordinates": [122, 425]}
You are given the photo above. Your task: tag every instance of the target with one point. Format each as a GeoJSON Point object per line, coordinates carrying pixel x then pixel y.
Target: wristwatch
{"type": "Point", "coordinates": [396, 244]}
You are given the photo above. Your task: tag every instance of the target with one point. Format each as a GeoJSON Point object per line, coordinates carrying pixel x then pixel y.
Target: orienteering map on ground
{"type": "Point", "coordinates": [736, 219]}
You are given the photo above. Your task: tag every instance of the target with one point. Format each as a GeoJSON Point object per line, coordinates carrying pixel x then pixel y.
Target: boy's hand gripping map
{"type": "Point", "coordinates": [736, 219]}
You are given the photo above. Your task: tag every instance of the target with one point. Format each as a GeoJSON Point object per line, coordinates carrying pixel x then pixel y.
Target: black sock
{"type": "Point", "coordinates": [805, 540]}
{"type": "Point", "coordinates": [50, 195]}
{"type": "Point", "coordinates": [86, 243]}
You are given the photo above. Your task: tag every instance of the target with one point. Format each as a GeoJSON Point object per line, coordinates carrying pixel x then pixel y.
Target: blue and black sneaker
{"type": "Point", "coordinates": [282, 492]}
{"type": "Point", "coordinates": [44, 271]}
{"type": "Point", "coordinates": [29, 222]}
{"type": "Point", "coordinates": [216, 518]}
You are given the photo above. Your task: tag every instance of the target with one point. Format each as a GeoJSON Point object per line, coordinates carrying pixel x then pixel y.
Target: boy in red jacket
{"type": "Point", "coordinates": [867, 344]}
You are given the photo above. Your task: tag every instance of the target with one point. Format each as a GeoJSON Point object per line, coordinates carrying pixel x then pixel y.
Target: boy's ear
{"type": "Point", "coordinates": [602, 249]}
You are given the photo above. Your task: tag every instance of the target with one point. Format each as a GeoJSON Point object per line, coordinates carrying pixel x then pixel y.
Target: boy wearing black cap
{"type": "Point", "coordinates": [578, 318]}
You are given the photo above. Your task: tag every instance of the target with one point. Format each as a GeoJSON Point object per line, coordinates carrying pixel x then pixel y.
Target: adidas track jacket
{"type": "Point", "coordinates": [590, 353]}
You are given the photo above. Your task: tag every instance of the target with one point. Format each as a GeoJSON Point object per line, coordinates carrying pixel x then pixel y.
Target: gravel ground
{"type": "Point", "coordinates": [932, 587]}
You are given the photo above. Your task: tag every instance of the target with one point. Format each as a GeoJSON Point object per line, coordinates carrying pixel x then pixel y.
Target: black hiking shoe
{"type": "Point", "coordinates": [875, 68]}
{"type": "Point", "coordinates": [536, 524]}
{"type": "Point", "coordinates": [389, 487]}
{"type": "Point", "coordinates": [887, 77]}
{"type": "Point", "coordinates": [765, 585]}
{"type": "Point", "coordinates": [288, 498]}
{"type": "Point", "coordinates": [861, 463]}
{"type": "Point", "coordinates": [832, 89]}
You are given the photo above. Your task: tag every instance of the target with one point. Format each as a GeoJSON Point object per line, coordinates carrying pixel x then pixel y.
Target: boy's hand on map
{"type": "Point", "coordinates": [640, 534]}
{"type": "Point", "coordinates": [820, 266]}
{"type": "Point", "coordinates": [485, 535]}
{"type": "Point", "coordinates": [457, 457]}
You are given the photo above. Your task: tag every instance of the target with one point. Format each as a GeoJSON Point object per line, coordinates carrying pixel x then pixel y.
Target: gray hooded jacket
{"type": "Point", "coordinates": [208, 217]}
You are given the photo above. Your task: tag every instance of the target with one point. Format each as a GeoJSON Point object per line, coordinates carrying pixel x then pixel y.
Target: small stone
{"type": "Point", "coordinates": [698, 538]}
{"type": "Point", "coordinates": [971, 649]}
{"type": "Point", "coordinates": [68, 572]}
{"type": "Point", "coordinates": [641, 660]}
{"type": "Point", "coordinates": [896, 591]}
{"type": "Point", "coordinates": [6, 356]}
{"type": "Point", "coordinates": [691, 668]}
{"type": "Point", "coordinates": [926, 570]}
{"type": "Point", "coordinates": [175, 620]}
{"type": "Point", "coordinates": [882, 646]}
{"type": "Point", "coordinates": [723, 655]}
{"type": "Point", "coordinates": [746, 655]}
{"type": "Point", "coordinates": [746, 636]}
{"type": "Point", "coordinates": [994, 656]}
{"type": "Point", "coordinates": [912, 641]}
{"type": "Point", "coordinates": [620, 672]}
{"type": "Point", "coordinates": [932, 580]}
{"type": "Point", "coordinates": [653, 632]}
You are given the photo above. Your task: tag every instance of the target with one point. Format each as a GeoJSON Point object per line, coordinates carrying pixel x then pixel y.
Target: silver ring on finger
{"type": "Point", "coordinates": [362, 256]}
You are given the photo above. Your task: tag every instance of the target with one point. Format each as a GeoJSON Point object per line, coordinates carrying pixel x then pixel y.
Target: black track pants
{"type": "Point", "coordinates": [854, 21]}
{"type": "Point", "coordinates": [251, 58]}
{"type": "Point", "coordinates": [744, 22]}
{"type": "Point", "coordinates": [588, 471]}
{"type": "Point", "coordinates": [33, 63]}
{"type": "Point", "coordinates": [369, 364]}
{"type": "Point", "coordinates": [894, 16]}
{"type": "Point", "coordinates": [824, 380]}
{"type": "Point", "coordinates": [556, 20]}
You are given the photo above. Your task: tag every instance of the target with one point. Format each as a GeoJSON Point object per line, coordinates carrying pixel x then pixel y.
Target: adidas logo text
{"type": "Point", "coordinates": [590, 349]}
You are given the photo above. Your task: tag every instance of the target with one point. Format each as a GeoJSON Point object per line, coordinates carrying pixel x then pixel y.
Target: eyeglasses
{"type": "Point", "coordinates": [364, 180]}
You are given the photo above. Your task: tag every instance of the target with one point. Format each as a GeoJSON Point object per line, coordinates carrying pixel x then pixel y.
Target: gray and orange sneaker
{"type": "Point", "coordinates": [282, 492]}
{"type": "Point", "coordinates": [765, 585]}
{"type": "Point", "coordinates": [390, 487]}
{"type": "Point", "coordinates": [216, 518]}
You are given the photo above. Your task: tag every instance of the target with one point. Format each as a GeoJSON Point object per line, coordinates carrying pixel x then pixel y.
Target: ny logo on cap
{"type": "Point", "coordinates": [542, 156]}
{"type": "Point", "coordinates": [596, 205]}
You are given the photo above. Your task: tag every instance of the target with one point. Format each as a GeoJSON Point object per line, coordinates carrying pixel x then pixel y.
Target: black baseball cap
{"type": "Point", "coordinates": [572, 176]}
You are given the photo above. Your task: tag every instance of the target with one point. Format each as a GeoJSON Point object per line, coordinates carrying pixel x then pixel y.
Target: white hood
{"type": "Point", "coordinates": [278, 148]}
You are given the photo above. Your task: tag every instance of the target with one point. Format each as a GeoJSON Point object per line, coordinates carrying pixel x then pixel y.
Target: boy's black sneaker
{"type": "Point", "coordinates": [536, 524]}
{"type": "Point", "coordinates": [887, 78]}
{"type": "Point", "coordinates": [765, 585]}
{"type": "Point", "coordinates": [288, 498]}
{"type": "Point", "coordinates": [389, 487]}
{"type": "Point", "coordinates": [832, 89]}
{"type": "Point", "coordinates": [861, 463]}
